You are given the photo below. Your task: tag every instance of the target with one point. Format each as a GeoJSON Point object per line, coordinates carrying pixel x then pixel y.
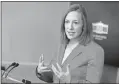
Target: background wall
{"type": "Point", "coordinates": [30, 29]}
{"type": "Point", "coordinates": [108, 13]}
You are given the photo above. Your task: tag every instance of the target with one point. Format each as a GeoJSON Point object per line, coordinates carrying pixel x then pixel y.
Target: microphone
{"type": "Point", "coordinates": [16, 65]}
{"type": "Point", "coordinates": [13, 64]}
{"type": "Point", "coordinates": [3, 68]}
{"type": "Point", "coordinates": [26, 81]}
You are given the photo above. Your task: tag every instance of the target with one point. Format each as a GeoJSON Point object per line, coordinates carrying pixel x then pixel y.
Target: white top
{"type": "Point", "coordinates": [68, 50]}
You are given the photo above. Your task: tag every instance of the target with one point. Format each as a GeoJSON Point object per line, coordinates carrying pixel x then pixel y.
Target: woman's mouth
{"type": "Point", "coordinates": [71, 33]}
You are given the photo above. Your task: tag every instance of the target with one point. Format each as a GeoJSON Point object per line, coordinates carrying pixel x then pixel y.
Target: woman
{"type": "Point", "coordinates": [80, 59]}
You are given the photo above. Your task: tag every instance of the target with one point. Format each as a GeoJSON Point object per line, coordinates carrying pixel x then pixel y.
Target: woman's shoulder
{"type": "Point", "coordinates": [94, 47]}
{"type": "Point", "coordinates": [94, 50]}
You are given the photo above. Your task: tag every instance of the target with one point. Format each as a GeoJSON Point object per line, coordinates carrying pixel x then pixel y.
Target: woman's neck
{"type": "Point", "coordinates": [73, 41]}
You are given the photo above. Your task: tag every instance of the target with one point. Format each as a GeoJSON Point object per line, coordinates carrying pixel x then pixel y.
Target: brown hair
{"type": "Point", "coordinates": [86, 35]}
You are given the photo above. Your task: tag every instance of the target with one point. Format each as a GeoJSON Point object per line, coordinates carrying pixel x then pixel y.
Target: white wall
{"type": "Point", "coordinates": [30, 29]}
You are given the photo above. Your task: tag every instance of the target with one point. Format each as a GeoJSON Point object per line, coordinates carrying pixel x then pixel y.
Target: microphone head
{"type": "Point", "coordinates": [17, 64]}
{"type": "Point", "coordinates": [13, 64]}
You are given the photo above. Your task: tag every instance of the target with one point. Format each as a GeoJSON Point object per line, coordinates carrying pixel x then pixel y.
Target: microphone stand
{"type": "Point", "coordinates": [13, 64]}
{"type": "Point", "coordinates": [15, 80]}
{"type": "Point", "coordinates": [6, 72]}
{"type": "Point", "coordinates": [11, 69]}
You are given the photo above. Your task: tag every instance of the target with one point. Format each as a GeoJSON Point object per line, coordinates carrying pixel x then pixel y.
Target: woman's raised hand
{"type": "Point", "coordinates": [64, 76]}
{"type": "Point", "coordinates": [41, 67]}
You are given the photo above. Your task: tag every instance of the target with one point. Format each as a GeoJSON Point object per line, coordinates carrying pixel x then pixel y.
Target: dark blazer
{"type": "Point", "coordinates": [86, 64]}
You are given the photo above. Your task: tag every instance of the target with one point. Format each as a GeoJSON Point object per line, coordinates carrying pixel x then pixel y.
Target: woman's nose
{"type": "Point", "coordinates": [70, 26]}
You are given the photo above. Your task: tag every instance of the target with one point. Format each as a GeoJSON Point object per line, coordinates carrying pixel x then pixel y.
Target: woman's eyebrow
{"type": "Point", "coordinates": [75, 20]}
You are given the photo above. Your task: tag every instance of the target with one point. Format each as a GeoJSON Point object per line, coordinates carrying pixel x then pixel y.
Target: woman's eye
{"type": "Point", "coordinates": [75, 22]}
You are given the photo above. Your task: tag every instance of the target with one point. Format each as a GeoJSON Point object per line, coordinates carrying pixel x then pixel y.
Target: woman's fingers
{"type": "Point", "coordinates": [41, 64]}
{"type": "Point", "coordinates": [40, 69]}
{"type": "Point", "coordinates": [66, 77]}
{"type": "Point", "coordinates": [43, 67]}
{"type": "Point", "coordinates": [68, 70]}
{"type": "Point", "coordinates": [60, 69]}
{"type": "Point", "coordinates": [55, 71]}
{"type": "Point", "coordinates": [42, 57]}
{"type": "Point", "coordinates": [47, 70]}
{"type": "Point", "coordinates": [41, 61]}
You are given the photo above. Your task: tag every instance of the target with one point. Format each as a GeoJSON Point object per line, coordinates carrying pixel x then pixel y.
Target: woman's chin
{"type": "Point", "coordinates": [70, 37]}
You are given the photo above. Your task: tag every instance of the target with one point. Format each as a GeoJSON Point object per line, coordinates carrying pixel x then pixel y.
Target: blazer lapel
{"type": "Point", "coordinates": [75, 52]}
{"type": "Point", "coordinates": [61, 53]}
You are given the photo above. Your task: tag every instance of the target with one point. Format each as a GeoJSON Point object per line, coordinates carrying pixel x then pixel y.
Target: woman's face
{"type": "Point", "coordinates": [73, 25]}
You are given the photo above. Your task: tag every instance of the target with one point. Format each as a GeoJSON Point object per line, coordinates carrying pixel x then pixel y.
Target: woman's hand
{"type": "Point", "coordinates": [64, 76]}
{"type": "Point", "coordinates": [41, 67]}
